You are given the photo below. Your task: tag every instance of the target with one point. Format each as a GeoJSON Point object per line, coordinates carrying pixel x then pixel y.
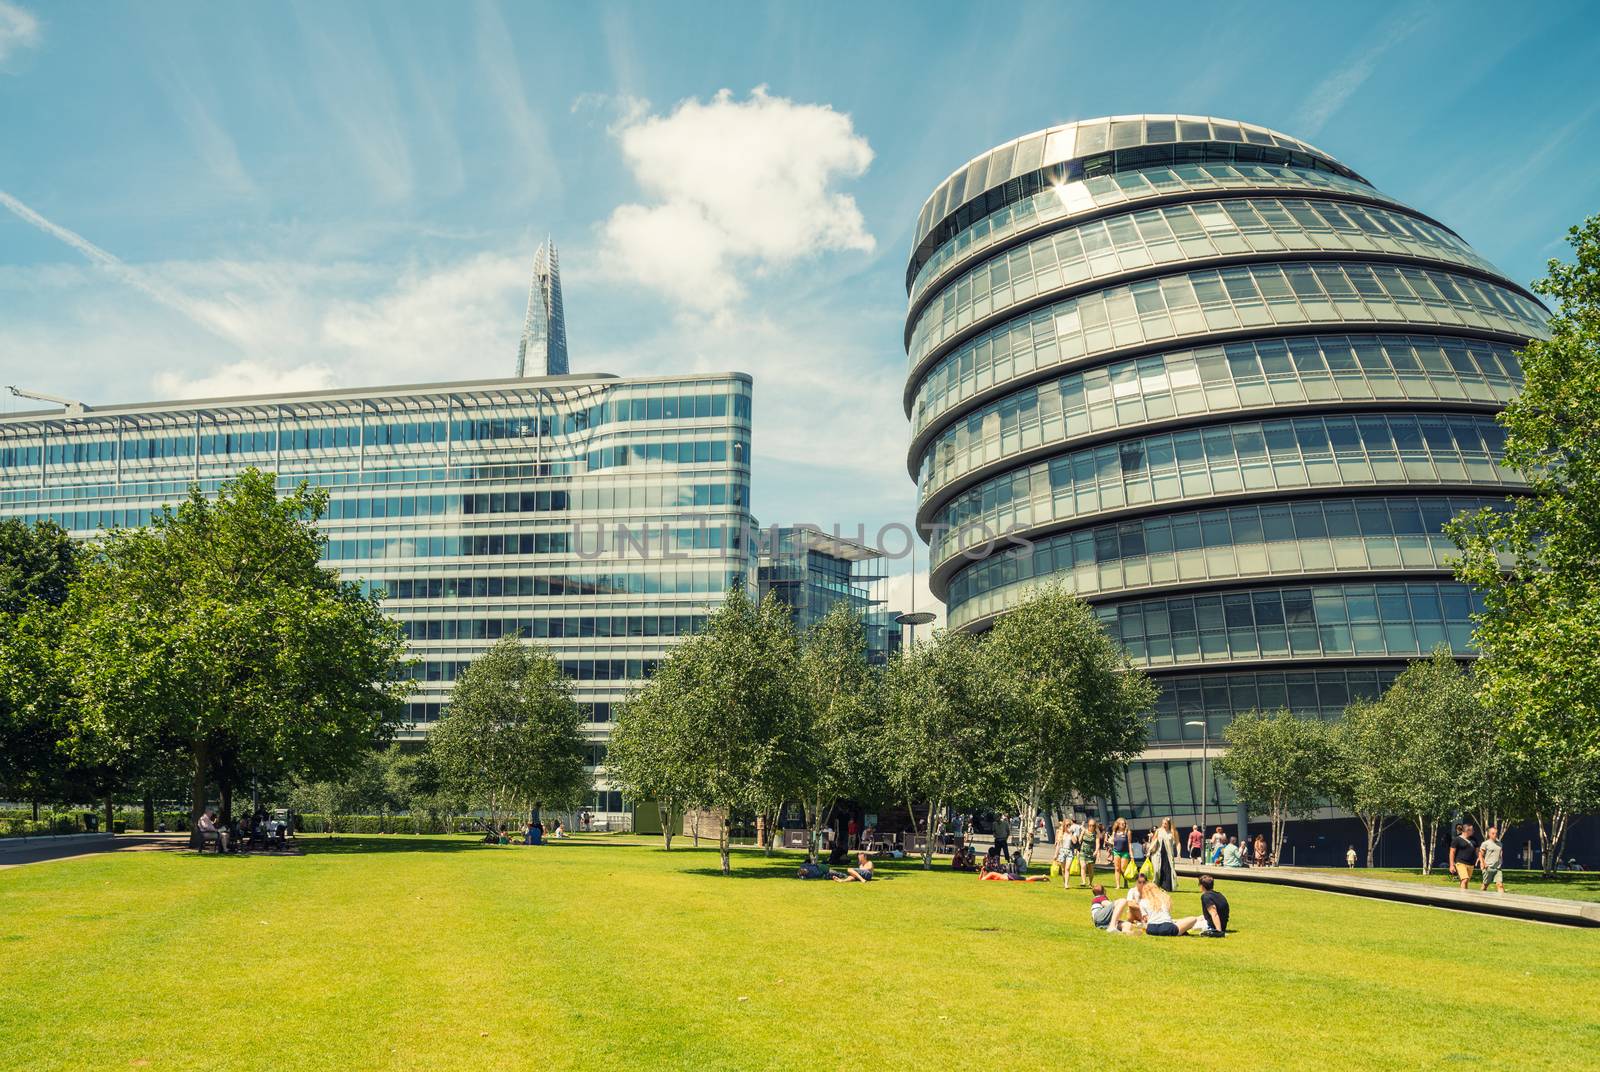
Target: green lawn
{"type": "Point", "coordinates": [1572, 886]}
{"type": "Point", "coordinates": [440, 954]}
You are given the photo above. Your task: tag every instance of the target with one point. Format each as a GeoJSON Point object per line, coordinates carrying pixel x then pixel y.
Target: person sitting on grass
{"type": "Point", "coordinates": [1155, 904]}
{"type": "Point", "coordinates": [961, 859]}
{"type": "Point", "coordinates": [1213, 910]}
{"type": "Point", "coordinates": [862, 872]}
{"type": "Point", "coordinates": [1101, 908]}
{"type": "Point", "coordinates": [1018, 871]}
{"type": "Point", "coordinates": [992, 861]}
{"type": "Point", "coordinates": [560, 831]}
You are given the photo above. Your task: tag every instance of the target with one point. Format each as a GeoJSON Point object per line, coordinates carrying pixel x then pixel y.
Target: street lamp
{"type": "Point", "coordinates": [1205, 782]}
{"type": "Point", "coordinates": [914, 619]}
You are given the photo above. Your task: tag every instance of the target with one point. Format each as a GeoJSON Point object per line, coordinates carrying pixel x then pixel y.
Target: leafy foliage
{"type": "Point", "coordinates": [1536, 562]}
{"type": "Point", "coordinates": [215, 631]}
{"type": "Point", "coordinates": [1276, 760]}
{"type": "Point", "coordinates": [1071, 706]}
{"type": "Point", "coordinates": [512, 738]}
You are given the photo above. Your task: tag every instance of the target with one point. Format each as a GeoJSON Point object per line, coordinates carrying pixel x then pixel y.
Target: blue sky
{"type": "Point", "coordinates": [228, 197]}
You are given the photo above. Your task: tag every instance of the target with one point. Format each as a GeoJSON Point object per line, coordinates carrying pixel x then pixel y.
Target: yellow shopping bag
{"type": "Point", "coordinates": [1148, 868]}
{"type": "Point", "coordinates": [1129, 871]}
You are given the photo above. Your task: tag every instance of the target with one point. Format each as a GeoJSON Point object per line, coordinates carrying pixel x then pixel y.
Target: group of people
{"type": "Point", "coordinates": [1147, 909]}
{"type": "Point", "coordinates": [1485, 856]}
{"type": "Point", "coordinates": [256, 829]}
{"type": "Point", "coordinates": [1084, 846]}
{"type": "Point", "coordinates": [862, 872]}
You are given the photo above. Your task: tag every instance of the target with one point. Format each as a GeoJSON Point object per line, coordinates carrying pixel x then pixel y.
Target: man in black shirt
{"type": "Point", "coordinates": [1463, 854]}
{"type": "Point", "coordinates": [1213, 910]}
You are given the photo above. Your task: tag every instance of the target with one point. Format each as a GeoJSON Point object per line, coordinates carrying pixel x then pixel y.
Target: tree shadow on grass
{"type": "Point", "coordinates": [353, 844]}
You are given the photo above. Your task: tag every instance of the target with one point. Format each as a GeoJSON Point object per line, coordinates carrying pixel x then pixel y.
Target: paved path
{"type": "Point", "coordinates": [1512, 905]}
{"type": "Point", "coordinates": [45, 851]}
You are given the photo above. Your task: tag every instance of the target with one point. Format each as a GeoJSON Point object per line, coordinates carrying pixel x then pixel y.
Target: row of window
{"type": "Point", "coordinates": [1217, 699]}
{"type": "Point", "coordinates": [1305, 452]}
{"type": "Point", "coordinates": [618, 498]}
{"type": "Point", "coordinates": [682, 452]}
{"type": "Point", "coordinates": [291, 435]}
{"type": "Point", "coordinates": [520, 585]}
{"type": "Point", "coordinates": [1155, 789]}
{"type": "Point", "coordinates": [428, 711]}
{"type": "Point", "coordinates": [948, 212]}
{"type": "Point", "coordinates": [1216, 379]}
{"type": "Point", "coordinates": [1409, 619]}
{"type": "Point", "coordinates": [577, 625]}
{"type": "Point", "coordinates": [664, 581]}
{"type": "Point", "coordinates": [1286, 538]}
{"type": "Point", "coordinates": [1173, 234]}
{"type": "Point", "coordinates": [1123, 188]}
{"type": "Point", "coordinates": [1209, 301]}
{"type": "Point", "coordinates": [640, 541]}
{"type": "Point", "coordinates": [636, 670]}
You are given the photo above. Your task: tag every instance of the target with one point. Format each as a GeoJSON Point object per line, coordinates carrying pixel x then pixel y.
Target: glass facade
{"type": "Point", "coordinates": [603, 517]}
{"type": "Point", "coordinates": [1209, 378]}
{"type": "Point", "coordinates": [813, 571]}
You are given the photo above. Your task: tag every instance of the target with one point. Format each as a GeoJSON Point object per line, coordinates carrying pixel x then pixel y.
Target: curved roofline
{"type": "Point", "coordinates": [1160, 116]}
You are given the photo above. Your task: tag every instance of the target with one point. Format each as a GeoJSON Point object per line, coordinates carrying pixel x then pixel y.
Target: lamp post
{"type": "Point", "coordinates": [914, 619]}
{"type": "Point", "coordinates": [1205, 782]}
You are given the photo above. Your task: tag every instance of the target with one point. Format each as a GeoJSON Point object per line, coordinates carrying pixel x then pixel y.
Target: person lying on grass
{"type": "Point", "coordinates": [862, 872]}
{"type": "Point", "coordinates": [1017, 871]}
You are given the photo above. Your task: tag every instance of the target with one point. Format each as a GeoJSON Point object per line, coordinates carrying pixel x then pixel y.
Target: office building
{"type": "Point", "coordinates": [601, 517]}
{"type": "Point", "coordinates": [1215, 382]}
{"type": "Point", "coordinates": [813, 571]}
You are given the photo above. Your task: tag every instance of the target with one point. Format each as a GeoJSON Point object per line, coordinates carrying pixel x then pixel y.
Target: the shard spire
{"type": "Point", "coordinates": [543, 349]}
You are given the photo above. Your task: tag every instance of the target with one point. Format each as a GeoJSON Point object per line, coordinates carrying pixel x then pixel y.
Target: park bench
{"type": "Point", "coordinates": [199, 839]}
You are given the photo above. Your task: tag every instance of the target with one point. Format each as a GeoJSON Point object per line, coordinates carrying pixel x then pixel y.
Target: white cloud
{"type": "Point", "coordinates": [244, 378]}
{"type": "Point", "coordinates": [19, 29]}
{"type": "Point", "coordinates": [734, 186]}
{"type": "Point", "coordinates": [1330, 94]}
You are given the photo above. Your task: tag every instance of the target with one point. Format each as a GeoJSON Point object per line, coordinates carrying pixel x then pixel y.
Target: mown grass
{"type": "Point", "coordinates": [441, 954]}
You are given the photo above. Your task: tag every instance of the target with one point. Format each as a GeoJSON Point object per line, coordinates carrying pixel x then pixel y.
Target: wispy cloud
{"type": "Point", "coordinates": [19, 29]}
{"type": "Point", "coordinates": [1330, 94]}
{"type": "Point", "coordinates": [735, 185]}
{"type": "Point", "coordinates": [208, 316]}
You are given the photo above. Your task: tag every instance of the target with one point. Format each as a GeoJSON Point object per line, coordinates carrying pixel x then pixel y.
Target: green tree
{"type": "Point", "coordinates": [644, 757]}
{"type": "Point", "coordinates": [215, 631]}
{"type": "Point", "coordinates": [940, 724]}
{"type": "Point", "coordinates": [1435, 712]}
{"type": "Point", "coordinates": [38, 565]}
{"type": "Point", "coordinates": [1535, 561]}
{"type": "Point", "coordinates": [728, 697]}
{"type": "Point", "coordinates": [512, 738]}
{"type": "Point", "coordinates": [1366, 773]}
{"type": "Point", "coordinates": [1072, 705]}
{"type": "Point", "coordinates": [1277, 761]}
{"type": "Point", "coordinates": [838, 691]}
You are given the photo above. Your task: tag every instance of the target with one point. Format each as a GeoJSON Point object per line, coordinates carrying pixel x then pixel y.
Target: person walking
{"type": "Point", "coordinates": [1088, 843]}
{"type": "Point", "coordinates": [1197, 843]}
{"type": "Point", "coordinates": [1164, 855]}
{"type": "Point", "coordinates": [1463, 854]}
{"type": "Point", "coordinates": [1490, 855]}
{"type": "Point", "coordinates": [1002, 832]}
{"type": "Point", "coordinates": [1064, 846]}
{"type": "Point", "coordinates": [1350, 856]}
{"type": "Point", "coordinates": [1121, 850]}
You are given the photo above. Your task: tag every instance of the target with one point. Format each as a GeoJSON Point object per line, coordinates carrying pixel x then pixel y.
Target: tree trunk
{"type": "Point", "coordinates": [1552, 837]}
{"type": "Point", "coordinates": [197, 784]}
{"type": "Point", "coordinates": [1028, 813]}
{"type": "Point", "coordinates": [149, 814]}
{"type": "Point", "coordinates": [696, 826]}
{"type": "Point", "coordinates": [664, 809]}
{"type": "Point", "coordinates": [1427, 828]}
{"type": "Point", "coordinates": [110, 814]}
{"type": "Point", "coordinates": [1279, 820]}
{"type": "Point", "coordinates": [722, 843]}
{"type": "Point", "coordinates": [927, 839]}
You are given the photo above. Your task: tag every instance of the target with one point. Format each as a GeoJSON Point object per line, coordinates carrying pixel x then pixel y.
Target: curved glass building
{"type": "Point", "coordinates": [1213, 381]}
